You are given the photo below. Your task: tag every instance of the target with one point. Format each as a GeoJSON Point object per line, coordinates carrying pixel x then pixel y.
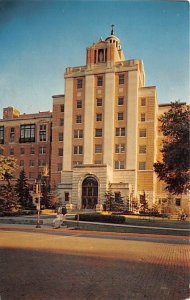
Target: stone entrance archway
{"type": "Point", "coordinates": [89, 193]}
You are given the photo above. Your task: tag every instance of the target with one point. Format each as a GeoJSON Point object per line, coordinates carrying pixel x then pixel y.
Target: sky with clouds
{"type": "Point", "coordinates": [39, 39]}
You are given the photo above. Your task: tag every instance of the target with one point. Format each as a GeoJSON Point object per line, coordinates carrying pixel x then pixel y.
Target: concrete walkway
{"type": "Point", "coordinates": [47, 221]}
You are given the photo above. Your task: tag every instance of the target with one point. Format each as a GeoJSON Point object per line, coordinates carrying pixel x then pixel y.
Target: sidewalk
{"type": "Point", "coordinates": [28, 220]}
{"type": "Point", "coordinates": [47, 221]}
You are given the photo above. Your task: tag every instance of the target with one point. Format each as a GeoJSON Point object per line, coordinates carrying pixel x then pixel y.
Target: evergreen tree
{"type": "Point", "coordinates": [45, 190]}
{"type": "Point", "coordinates": [110, 201]}
{"type": "Point", "coordinates": [174, 169]}
{"type": "Point", "coordinates": [23, 191]}
{"type": "Point", "coordinates": [8, 197]}
{"type": "Point", "coordinates": [143, 203]}
{"type": "Point", "coordinates": [119, 204]}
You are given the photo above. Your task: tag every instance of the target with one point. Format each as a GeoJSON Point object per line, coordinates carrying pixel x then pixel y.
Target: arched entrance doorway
{"type": "Point", "coordinates": [89, 193]}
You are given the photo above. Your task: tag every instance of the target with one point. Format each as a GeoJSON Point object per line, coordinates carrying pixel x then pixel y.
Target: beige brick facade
{"type": "Point", "coordinates": [103, 133]}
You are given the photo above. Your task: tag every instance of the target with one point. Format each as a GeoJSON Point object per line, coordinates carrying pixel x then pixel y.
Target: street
{"type": "Point", "coordinates": [55, 265]}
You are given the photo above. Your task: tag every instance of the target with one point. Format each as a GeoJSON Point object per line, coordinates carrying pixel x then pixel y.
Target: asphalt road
{"type": "Point", "coordinates": [54, 265]}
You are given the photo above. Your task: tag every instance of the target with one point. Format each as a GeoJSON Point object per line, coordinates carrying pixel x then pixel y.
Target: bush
{"type": "Point", "coordinates": [128, 212]}
{"type": "Point", "coordinates": [152, 214]}
{"type": "Point", "coordinates": [18, 213]}
{"type": "Point", "coordinates": [101, 218]}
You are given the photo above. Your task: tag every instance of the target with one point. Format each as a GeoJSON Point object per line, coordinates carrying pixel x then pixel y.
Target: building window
{"type": "Point", "coordinates": [1, 151]}
{"type": "Point", "coordinates": [178, 202]}
{"type": "Point", "coordinates": [121, 79]}
{"type": "Point", "coordinates": [61, 122]}
{"type": "Point", "coordinates": [78, 134]}
{"type": "Point", "coordinates": [67, 197]}
{"type": "Point", "coordinates": [12, 135]}
{"type": "Point", "coordinates": [120, 101]}
{"type": "Point", "coordinates": [142, 165]}
{"type": "Point", "coordinates": [99, 80]}
{"type": "Point", "coordinates": [98, 132]}
{"type": "Point", "coordinates": [76, 163]}
{"type": "Point", "coordinates": [101, 57]}
{"type": "Point", "coordinates": [60, 151]}
{"type": "Point", "coordinates": [143, 101]}
{"type": "Point", "coordinates": [31, 175]}
{"type": "Point", "coordinates": [27, 133]}
{"type": "Point", "coordinates": [59, 167]}
{"type": "Point", "coordinates": [120, 116]}
{"type": "Point", "coordinates": [79, 83]}
{"type": "Point", "coordinates": [60, 136]}
{"type": "Point", "coordinates": [32, 150]}
{"type": "Point", "coordinates": [42, 150]}
{"type": "Point", "coordinates": [98, 148]}
{"type": "Point", "coordinates": [78, 150]}
{"type": "Point", "coordinates": [143, 117]}
{"type": "Point", "coordinates": [41, 163]}
{"type": "Point", "coordinates": [22, 151]}
{"type": "Point", "coordinates": [21, 163]}
{"type": "Point", "coordinates": [1, 134]}
{"type": "Point", "coordinates": [98, 117]}
{"type": "Point", "coordinates": [11, 151]}
{"type": "Point", "coordinates": [119, 148]}
{"type": "Point", "coordinates": [42, 133]}
{"type": "Point", "coordinates": [119, 164]}
{"type": "Point", "coordinates": [142, 132]}
{"type": "Point", "coordinates": [98, 162]}
{"type": "Point", "coordinates": [62, 108]}
{"type": "Point", "coordinates": [142, 149]}
{"type": "Point", "coordinates": [120, 131]}
{"type": "Point", "coordinates": [78, 119]}
{"type": "Point", "coordinates": [99, 102]}
{"type": "Point", "coordinates": [31, 163]}
{"type": "Point", "coordinates": [79, 104]}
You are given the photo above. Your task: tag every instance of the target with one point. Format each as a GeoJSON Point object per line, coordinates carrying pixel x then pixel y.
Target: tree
{"type": "Point", "coordinates": [119, 204]}
{"type": "Point", "coordinates": [114, 202]}
{"type": "Point", "coordinates": [143, 203]}
{"type": "Point", "coordinates": [109, 201]}
{"type": "Point", "coordinates": [45, 189]}
{"type": "Point", "coordinates": [8, 196]}
{"type": "Point", "coordinates": [23, 191]}
{"type": "Point", "coordinates": [174, 168]}
{"type": "Point", "coordinates": [7, 168]}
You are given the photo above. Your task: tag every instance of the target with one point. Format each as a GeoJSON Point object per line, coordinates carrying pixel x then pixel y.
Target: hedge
{"type": "Point", "coordinates": [101, 218]}
{"type": "Point", "coordinates": [18, 213]}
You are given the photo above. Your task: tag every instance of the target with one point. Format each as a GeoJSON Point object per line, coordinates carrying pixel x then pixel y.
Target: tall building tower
{"type": "Point", "coordinates": [109, 128]}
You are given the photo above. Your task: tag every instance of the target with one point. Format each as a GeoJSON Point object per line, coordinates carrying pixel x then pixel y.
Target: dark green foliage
{"type": "Point", "coordinates": [109, 201]}
{"type": "Point", "coordinates": [8, 198]}
{"type": "Point", "coordinates": [174, 169]}
{"type": "Point", "coordinates": [143, 203]}
{"type": "Point", "coordinates": [119, 204]}
{"type": "Point", "coordinates": [101, 218]}
{"type": "Point", "coordinates": [45, 190]}
{"type": "Point", "coordinates": [113, 202]}
{"type": "Point", "coordinates": [23, 191]}
{"type": "Point", "coordinates": [17, 213]}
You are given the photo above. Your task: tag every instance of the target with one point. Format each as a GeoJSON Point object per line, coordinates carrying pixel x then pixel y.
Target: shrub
{"type": "Point", "coordinates": [151, 214]}
{"type": "Point", "coordinates": [101, 218]}
{"type": "Point", "coordinates": [18, 213]}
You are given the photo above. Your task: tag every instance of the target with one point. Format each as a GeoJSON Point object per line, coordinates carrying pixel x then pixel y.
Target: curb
{"type": "Point", "coordinates": [93, 232]}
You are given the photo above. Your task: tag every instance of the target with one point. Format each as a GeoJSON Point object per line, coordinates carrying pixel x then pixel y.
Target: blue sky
{"type": "Point", "coordinates": [39, 39]}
